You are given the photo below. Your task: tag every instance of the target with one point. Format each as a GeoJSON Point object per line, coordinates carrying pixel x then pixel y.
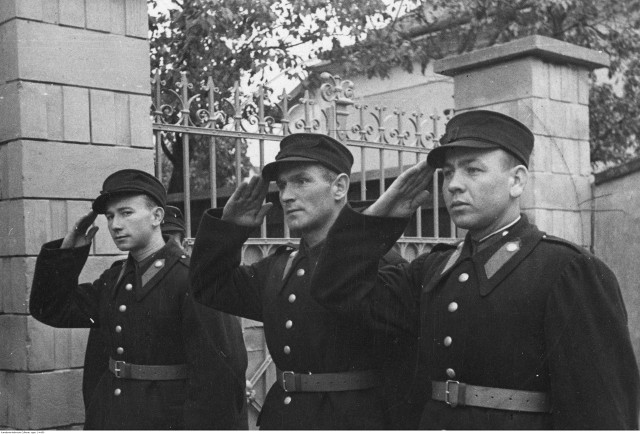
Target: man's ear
{"type": "Point", "coordinates": [158, 216]}
{"type": "Point", "coordinates": [340, 186]}
{"type": "Point", "coordinates": [518, 177]}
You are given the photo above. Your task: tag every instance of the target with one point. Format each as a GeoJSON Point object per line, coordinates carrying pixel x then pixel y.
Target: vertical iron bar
{"type": "Point", "coordinates": [158, 119]}
{"type": "Point", "coordinates": [262, 128]}
{"type": "Point", "coordinates": [213, 163]}
{"type": "Point", "coordinates": [363, 175]}
{"type": "Point", "coordinates": [238, 127]}
{"type": "Point", "coordinates": [436, 206]}
{"type": "Point", "coordinates": [213, 172]}
{"type": "Point", "coordinates": [186, 188]}
{"type": "Point", "coordinates": [381, 171]}
{"type": "Point", "coordinates": [419, 210]}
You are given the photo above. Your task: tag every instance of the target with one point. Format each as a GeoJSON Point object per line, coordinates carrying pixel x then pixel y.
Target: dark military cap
{"type": "Point", "coordinates": [173, 220]}
{"type": "Point", "coordinates": [129, 181]}
{"type": "Point", "coordinates": [310, 148]}
{"type": "Point", "coordinates": [484, 129]}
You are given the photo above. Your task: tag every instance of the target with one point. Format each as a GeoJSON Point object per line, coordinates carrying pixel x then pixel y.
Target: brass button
{"type": "Point", "coordinates": [287, 349]}
{"type": "Point", "coordinates": [451, 373]}
{"type": "Point", "coordinates": [463, 277]}
{"type": "Point", "coordinates": [505, 233]}
{"type": "Point", "coordinates": [448, 341]}
{"type": "Point", "coordinates": [288, 324]}
{"type": "Point", "coordinates": [453, 306]}
{"type": "Point", "coordinates": [119, 350]}
{"type": "Point", "coordinates": [158, 263]}
{"type": "Point", "coordinates": [287, 400]}
{"type": "Point", "coordinates": [292, 298]}
{"type": "Point", "coordinates": [122, 308]}
{"type": "Point", "coordinates": [183, 256]}
{"type": "Point", "coordinates": [128, 287]}
{"type": "Point", "coordinates": [300, 272]}
{"type": "Point", "coordinates": [118, 329]}
{"type": "Point", "coordinates": [117, 392]}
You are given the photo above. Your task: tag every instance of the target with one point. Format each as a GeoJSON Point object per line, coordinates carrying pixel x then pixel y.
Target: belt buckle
{"type": "Point", "coordinates": [118, 368]}
{"type": "Point", "coordinates": [448, 391]}
{"type": "Point", "coordinates": [284, 380]}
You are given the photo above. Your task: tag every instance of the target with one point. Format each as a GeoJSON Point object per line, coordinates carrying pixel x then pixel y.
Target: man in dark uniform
{"type": "Point", "coordinates": [517, 329]}
{"type": "Point", "coordinates": [173, 225]}
{"type": "Point", "coordinates": [156, 339]}
{"type": "Point", "coordinates": [96, 357]}
{"type": "Point", "coordinates": [328, 368]}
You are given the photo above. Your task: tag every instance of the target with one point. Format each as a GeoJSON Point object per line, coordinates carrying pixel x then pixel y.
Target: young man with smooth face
{"type": "Point", "coordinates": [149, 328]}
{"type": "Point", "coordinates": [481, 188]}
{"type": "Point", "coordinates": [327, 368]}
{"type": "Point", "coordinates": [517, 329]}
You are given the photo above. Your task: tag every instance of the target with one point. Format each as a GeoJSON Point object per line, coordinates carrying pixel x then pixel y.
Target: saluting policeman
{"type": "Point", "coordinates": [517, 329]}
{"type": "Point", "coordinates": [328, 367]}
{"type": "Point", "coordinates": [157, 342]}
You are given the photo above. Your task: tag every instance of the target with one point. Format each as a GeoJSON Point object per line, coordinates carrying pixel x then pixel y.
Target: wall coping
{"type": "Point", "coordinates": [548, 49]}
{"type": "Point", "coordinates": [617, 171]}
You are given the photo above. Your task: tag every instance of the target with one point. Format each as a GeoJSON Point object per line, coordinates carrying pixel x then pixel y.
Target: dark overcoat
{"type": "Point", "coordinates": [147, 319]}
{"type": "Point", "coordinates": [529, 312]}
{"type": "Point", "coordinates": [301, 335]}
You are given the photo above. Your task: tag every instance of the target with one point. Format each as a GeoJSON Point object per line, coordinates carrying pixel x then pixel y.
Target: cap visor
{"type": "Point", "coordinates": [270, 171]}
{"type": "Point", "coordinates": [436, 157]}
{"type": "Point", "coordinates": [99, 205]}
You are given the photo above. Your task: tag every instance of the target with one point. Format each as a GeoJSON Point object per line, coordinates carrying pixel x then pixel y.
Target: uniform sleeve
{"type": "Point", "coordinates": [217, 360]}
{"type": "Point", "coordinates": [348, 279]}
{"type": "Point", "coordinates": [216, 276]}
{"type": "Point", "coordinates": [593, 371]}
{"type": "Point", "coordinates": [56, 297]}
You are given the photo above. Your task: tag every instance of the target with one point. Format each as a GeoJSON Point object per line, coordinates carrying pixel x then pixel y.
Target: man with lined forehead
{"type": "Point", "coordinates": [328, 368]}
{"type": "Point", "coordinates": [517, 329]}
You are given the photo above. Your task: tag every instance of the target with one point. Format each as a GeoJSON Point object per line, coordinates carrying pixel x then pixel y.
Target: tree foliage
{"type": "Point", "coordinates": [437, 28]}
{"type": "Point", "coordinates": [226, 39]}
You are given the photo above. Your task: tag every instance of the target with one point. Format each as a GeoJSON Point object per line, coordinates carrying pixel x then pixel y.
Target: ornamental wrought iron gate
{"type": "Point", "coordinates": [211, 142]}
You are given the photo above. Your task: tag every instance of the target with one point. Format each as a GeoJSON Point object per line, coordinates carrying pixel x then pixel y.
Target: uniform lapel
{"type": "Point", "coordinates": [443, 270]}
{"type": "Point", "coordinates": [292, 260]}
{"type": "Point", "coordinates": [495, 263]}
{"type": "Point", "coordinates": [119, 274]}
{"type": "Point", "coordinates": [163, 262]}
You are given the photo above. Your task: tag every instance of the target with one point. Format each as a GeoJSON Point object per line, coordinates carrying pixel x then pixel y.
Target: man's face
{"type": "Point", "coordinates": [131, 222]}
{"type": "Point", "coordinates": [306, 197]}
{"type": "Point", "coordinates": [476, 188]}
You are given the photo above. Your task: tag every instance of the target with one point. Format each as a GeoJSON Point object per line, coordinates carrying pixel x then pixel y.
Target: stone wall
{"type": "Point", "coordinates": [74, 105]}
{"type": "Point", "coordinates": [616, 233]}
{"type": "Point", "coordinates": [544, 83]}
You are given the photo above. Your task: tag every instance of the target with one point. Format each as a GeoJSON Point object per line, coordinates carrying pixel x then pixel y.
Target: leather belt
{"type": "Point", "coordinates": [147, 372]}
{"type": "Point", "coordinates": [455, 393]}
{"type": "Point", "coordinates": [329, 382]}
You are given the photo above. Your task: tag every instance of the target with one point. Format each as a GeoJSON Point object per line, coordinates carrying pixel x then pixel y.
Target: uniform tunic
{"type": "Point", "coordinates": [301, 335]}
{"type": "Point", "coordinates": [145, 315]}
{"type": "Point", "coordinates": [528, 312]}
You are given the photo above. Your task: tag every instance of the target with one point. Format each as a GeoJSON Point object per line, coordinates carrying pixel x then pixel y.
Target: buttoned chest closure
{"type": "Point", "coordinates": [145, 324]}
{"type": "Point", "coordinates": [445, 319]}
{"type": "Point", "coordinates": [295, 325]}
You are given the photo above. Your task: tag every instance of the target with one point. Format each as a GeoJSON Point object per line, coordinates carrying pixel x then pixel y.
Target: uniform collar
{"type": "Point", "coordinates": [493, 263]}
{"type": "Point", "coordinates": [153, 268]}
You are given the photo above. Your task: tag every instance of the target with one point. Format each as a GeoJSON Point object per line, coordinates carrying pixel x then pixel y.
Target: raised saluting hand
{"type": "Point", "coordinates": [246, 205]}
{"type": "Point", "coordinates": [82, 232]}
{"type": "Point", "coordinates": [406, 194]}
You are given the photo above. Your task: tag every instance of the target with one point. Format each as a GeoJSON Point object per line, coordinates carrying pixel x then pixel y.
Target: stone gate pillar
{"type": "Point", "coordinates": [544, 83]}
{"type": "Point", "coordinates": [74, 106]}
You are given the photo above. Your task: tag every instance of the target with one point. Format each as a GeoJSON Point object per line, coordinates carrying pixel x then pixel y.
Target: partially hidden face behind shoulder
{"type": "Point", "coordinates": [133, 220]}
